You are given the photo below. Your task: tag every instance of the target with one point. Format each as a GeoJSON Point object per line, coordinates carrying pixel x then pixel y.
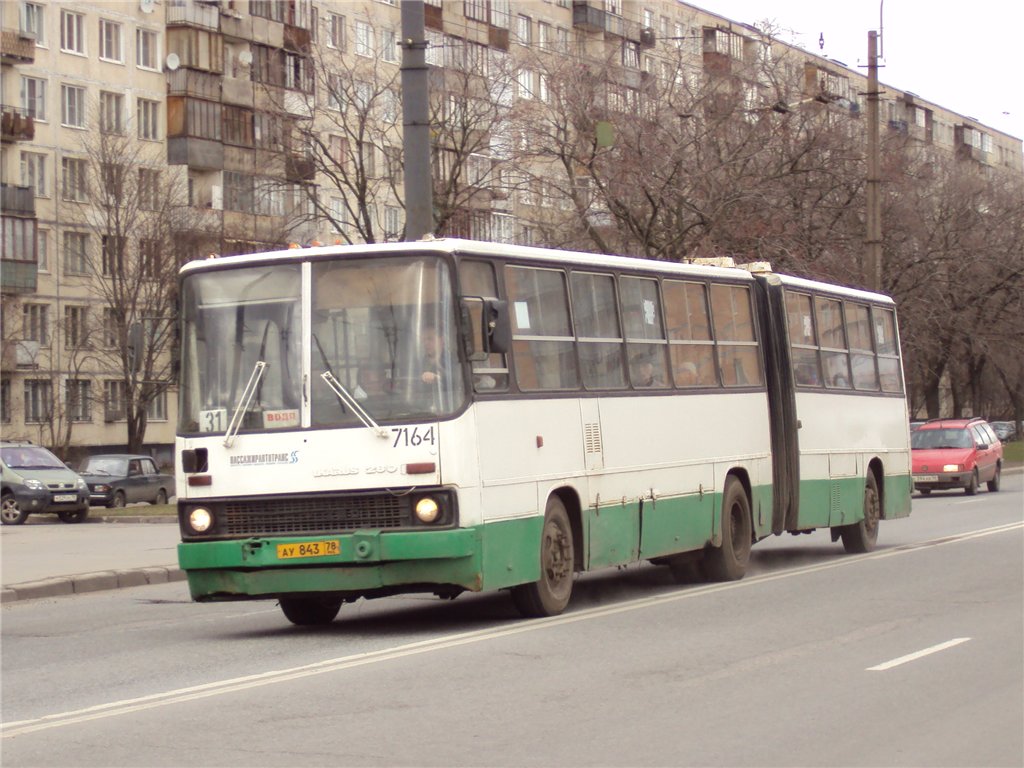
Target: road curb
{"type": "Point", "coordinates": [84, 583]}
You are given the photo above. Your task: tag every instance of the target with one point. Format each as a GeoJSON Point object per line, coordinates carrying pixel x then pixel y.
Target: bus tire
{"type": "Point", "coordinates": [729, 561]}
{"type": "Point", "coordinates": [861, 537]}
{"type": "Point", "coordinates": [310, 611]}
{"type": "Point", "coordinates": [549, 595]}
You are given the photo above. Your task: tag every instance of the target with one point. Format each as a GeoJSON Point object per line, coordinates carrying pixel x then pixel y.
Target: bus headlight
{"type": "Point", "coordinates": [200, 520]}
{"type": "Point", "coordinates": [427, 510]}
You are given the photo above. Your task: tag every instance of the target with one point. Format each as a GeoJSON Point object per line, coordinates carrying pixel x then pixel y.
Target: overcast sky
{"type": "Point", "coordinates": [965, 56]}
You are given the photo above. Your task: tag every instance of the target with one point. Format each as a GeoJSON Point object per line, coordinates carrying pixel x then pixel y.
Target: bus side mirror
{"type": "Point", "coordinates": [498, 329]}
{"type": "Point", "coordinates": [485, 327]}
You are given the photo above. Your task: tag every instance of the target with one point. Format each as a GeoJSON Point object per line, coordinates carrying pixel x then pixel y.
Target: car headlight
{"type": "Point", "coordinates": [427, 510]}
{"type": "Point", "coordinates": [951, 467]}
{"type": "Point", "coordinates": [35, 485]}
{"type": "Point", "coordinates": [200, 520]}
{"type": "Point", "coordinates": [100, 488]}
{"type": "Point", "coordinates": [82, 485]}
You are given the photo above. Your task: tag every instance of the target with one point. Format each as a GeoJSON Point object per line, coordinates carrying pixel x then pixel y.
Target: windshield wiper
{"type": "Point", "coordinates": [243, 403]}
{"type": "Point", "coordinates": [347, 399]}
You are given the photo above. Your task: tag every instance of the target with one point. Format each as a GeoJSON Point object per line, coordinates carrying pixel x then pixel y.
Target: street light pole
{"type": "Point", "coordinates": [873, 241]}
{"type": "Point", "coordinates": [419, 203]}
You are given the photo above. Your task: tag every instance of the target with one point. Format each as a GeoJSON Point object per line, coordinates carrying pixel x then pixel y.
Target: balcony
{"type": "Point", "coordinates": [196, 153]}
{"type": "Point", "coordinates": [16, 124]}
{"type": "Point", "coordinates": [193, 15]}
{"type": "Point", "coordinates": [299, 168]}
{"type": "Point", "coordinates": [189, 82]}
{"type": "Point", "coordinates": [592, 17]}
{"type": "Point", "coordinates": [17, 47]}
{"type": "Point", "coordinates": [17, 201]}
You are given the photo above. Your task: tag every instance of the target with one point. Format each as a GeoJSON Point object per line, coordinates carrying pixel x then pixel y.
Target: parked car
{"type": "Point", "coordinates": [955, 453]}
{"type": "Point", "coordinates": [35, 481]}
{"type": "Point", "coordinates": [117, 479]}
{"type": "Point", "coordinates": [1006, 431]}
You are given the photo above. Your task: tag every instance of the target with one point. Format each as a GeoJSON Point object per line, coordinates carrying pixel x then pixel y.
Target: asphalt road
{"type": "Point", "coordinates": [911, 655]}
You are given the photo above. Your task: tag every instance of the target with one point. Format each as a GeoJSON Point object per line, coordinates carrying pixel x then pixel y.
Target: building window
{"type": "Point", "coordinates": [157, 408]}
{"type": "Point", "coordinates": [35, 323]}
{"type": "Point", "coordinates": [110, 326]}
{"type": "Point", "coordinates": [147, 118]}
{"type": "Point", "coordinates": [393, 224]}
{"type": "Point", "coordinates": [523, 29]}
{"type": "Point", "coordinates": [43, 250]}
{"type": "Point", "coordinates": [336, 31]}
{"type": "Point", "coordinates": [73, 179]}
{"type": "Point", "coordinates": [5, 401]}
{"type": "Point", "coordinates": [238, 192]}
{"type": "Point", "coordinates": [111, 48]}
{"type": "Point", "coordinates": [388, 45]}
{"type": "Point", "coordinates": [147, 51]}
{"type": "Point", "coordinates": [112, 252]}
{"type": "Point", "coordinates": [72, 32]}
{"type": "Point", "coordinates": [364, 39]}
{"type": "Point", "coordinates": [33, 22]}
{"type": "Point", "coordinates": [19, 238]}
{"type": "Point", "coordinates": [76, 332]}
{"type": "Point", "coordinates": [75, 253]}
{"type": "Point", "coordinates": [149, 258]}
{"type": "Point", "coordinates": [33, 172]}
{"type": "Point", "coordinates": [149, 189]}
{"type": "Point", "coordinates": [112, 113]}
{"type": "Point", "coordinates": [79, 399]}
{"type": "Point", "coordinates": [72, 106]}
{"type": "Point", "coordinates": [38, 400]}
{"type": "Point", "coordinates": [475, 9]}
{"type": "Point", "coordinates": [113, 400]}
{"type": "Point", "coordinates": [33, 97]}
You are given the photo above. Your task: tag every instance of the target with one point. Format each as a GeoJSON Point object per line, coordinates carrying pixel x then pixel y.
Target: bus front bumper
{"type": "Point", "coordinates": [362, 563]}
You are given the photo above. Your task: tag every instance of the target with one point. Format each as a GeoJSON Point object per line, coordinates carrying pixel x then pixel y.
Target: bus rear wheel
{"type": "Point", "coordinates": [310, 611]}
{"type": "Point", "coordinates": [729, 561]}
{"type": "Point", "coordinates": [862, 536]}
{"type": "Point", "coordinates": [549, 595]}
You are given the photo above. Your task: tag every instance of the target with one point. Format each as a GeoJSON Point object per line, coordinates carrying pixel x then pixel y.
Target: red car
{"type": "Point", "coordinates": [955, 453]}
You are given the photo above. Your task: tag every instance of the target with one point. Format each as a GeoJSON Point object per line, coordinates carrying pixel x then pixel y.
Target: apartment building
{"type": "Point", "coordinates": [281, 120]}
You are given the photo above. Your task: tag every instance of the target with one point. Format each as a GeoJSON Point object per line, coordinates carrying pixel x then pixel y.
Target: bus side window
{"type": "Point", "coordinates": [862, 357]}
{"type": "Point", "coordinates": [888, 350]}
{"type": "Point", "coordinates": [542, 339]}
{"type": "Point", "coordinates": [734, 335]}
{"type": "Point", "coordinates": [802, 340]}
{"type": "Point", "coordinates": [597, 329]}
{"type": "Point", "coordinates": [689, 333]}
{"type": "Point", "coordinates": [645, 334]}
{"type": "Point", "coordinates": [832, 335]}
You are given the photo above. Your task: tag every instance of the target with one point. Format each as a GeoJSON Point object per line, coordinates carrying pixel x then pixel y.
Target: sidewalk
{"type": "Point", "coordinates": [47, 558]}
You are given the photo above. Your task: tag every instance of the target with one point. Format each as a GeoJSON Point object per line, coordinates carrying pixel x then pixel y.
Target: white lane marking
{"type": "Point", "coordinates": [917, 655]}
{"type": "Point", "coordinates": [128, 706]}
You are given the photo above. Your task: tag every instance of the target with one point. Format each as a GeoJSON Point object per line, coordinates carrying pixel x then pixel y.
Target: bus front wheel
{"type": "Point", "coordinates": [862, 536]}
{"type": "Point", "coordinates": [310, 611]}
{"type": "Point", "coordinates": [549, 595]}
{"type": "Point", "coordinates": [729, 561]}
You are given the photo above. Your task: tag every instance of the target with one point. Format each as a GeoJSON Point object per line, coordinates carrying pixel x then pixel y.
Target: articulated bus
{"type": "Point", "coordinates": [446, 415]}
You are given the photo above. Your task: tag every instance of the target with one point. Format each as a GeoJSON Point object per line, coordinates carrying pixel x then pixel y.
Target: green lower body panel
{"type": "Point", "coordinates": [840, 501]}
{"type": "Point", "coordinates": [368, 562]}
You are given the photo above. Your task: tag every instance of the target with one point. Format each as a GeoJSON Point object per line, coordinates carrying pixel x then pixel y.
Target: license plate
{"type": "Point", "coordinates": [926, 478]}
{"type": "Point", "coordinates": [63, 498]}
{"type": "Point", "coordinates": [309, 549]}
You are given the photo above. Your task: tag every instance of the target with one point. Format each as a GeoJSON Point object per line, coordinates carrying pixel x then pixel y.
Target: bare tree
{"type": "Point", "coordinates": [138, 212]}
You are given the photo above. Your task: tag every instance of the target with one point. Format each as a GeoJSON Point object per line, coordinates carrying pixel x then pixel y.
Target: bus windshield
{"type": "Point", "coordinates": [381, 332]}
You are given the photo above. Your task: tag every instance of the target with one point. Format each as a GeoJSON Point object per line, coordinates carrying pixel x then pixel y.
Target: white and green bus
{"type": "Point", "coordinates": [447, 415]}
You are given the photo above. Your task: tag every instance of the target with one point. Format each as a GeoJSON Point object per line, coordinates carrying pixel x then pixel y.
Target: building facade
{"type": "Point", "coordinates": [280, 120]}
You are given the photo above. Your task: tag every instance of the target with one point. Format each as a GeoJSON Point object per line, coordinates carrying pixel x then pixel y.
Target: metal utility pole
{"type": "Point", "coordinates": [419, 202]}
{"type": "Point", "coordinates": [873, 241]}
